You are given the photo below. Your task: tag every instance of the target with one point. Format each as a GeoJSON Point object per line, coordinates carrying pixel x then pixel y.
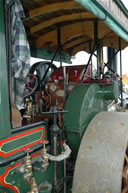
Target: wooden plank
{"type": "Point", "coordinates": [82, 47]}
{"type": "Point", "coordinates": [75, 42]}
{"type": "Point", "coordinates": [68, 5]}
{"type": "Point", "coordinates": [113, 41]}
{"type": "Point", "coordinates": [62, 18]}
{"type": "Point", "coordinates": [103, 29]}
{"type": "Point", "coordinates": [110, 42]}
{"type": "Point", "coordinates": [67, 32]}
{"type": "Point", "coordinates": [75, 29]}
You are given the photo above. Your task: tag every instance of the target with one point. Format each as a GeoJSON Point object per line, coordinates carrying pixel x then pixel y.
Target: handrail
{"type": "Point", "coordinates": [27, 127]}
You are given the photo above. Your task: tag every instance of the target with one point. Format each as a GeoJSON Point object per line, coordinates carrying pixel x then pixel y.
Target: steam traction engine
{"type": "Point", "coordinates": [66, 138]}
{"type": "Point", "coordinates": [68, 105]}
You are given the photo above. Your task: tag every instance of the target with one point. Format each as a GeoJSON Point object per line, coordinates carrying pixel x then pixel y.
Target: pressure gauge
{"type": "Point", "coordinates": [52, 87]}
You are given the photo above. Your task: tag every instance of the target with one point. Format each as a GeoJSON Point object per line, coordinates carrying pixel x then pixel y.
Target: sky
{"type": "Point", "coordinates": [125, 3]}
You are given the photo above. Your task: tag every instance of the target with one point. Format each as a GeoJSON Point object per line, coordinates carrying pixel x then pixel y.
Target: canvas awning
{"type": "Point", "coordinates": [113, 14]}
{"type": "Point", "coordinates": [76, 19]}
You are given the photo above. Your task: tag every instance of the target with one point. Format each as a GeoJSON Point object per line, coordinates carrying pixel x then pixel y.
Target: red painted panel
{"type": "Point", "coordinates": [74, 74]}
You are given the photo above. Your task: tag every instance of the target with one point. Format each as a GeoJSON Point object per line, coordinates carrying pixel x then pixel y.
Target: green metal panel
{"type": "Point", "coordinates": [116, 11]}
{"type": "Point", "coordinates": [109, 92]}
{"type": "Point", "coordinates": [73, 105]}
{"type": "Point", "coordinates": [44, 54]}
{"type": "Point", "coordinates": [40, 174]}
{"type": "Point", "coordinates": [83, 104]}
{"type": "Point", "coordinates": [92, 7]}
{"type": "Point", "coordinates": [5, 127]}
{"type": "Point", "coordinates": [116, 28]}
{"type": "Point", "coordinates": [14, 144]}
{"type": "Point", "coordinates": [19, 142]}
{"type": "Point", "coordinates": [21, 184]}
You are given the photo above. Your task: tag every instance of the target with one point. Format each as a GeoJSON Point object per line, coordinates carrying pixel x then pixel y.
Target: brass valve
{"type": "Point", "coordinates": [34, 187]}
{"type": "Point", "coordinates": [28, 112]}
{"type": "Point", "coordinates": [45, 155]}
{"type": "Point", "coordinates": [28, 166]}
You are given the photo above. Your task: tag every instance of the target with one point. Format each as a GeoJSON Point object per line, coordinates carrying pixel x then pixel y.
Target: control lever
{"type": "Point", "coordinates": [54, 131]}
{"type": "Point", "coordinates": [53, 110]}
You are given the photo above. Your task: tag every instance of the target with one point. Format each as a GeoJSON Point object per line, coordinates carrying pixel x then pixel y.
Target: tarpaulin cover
{"type": "Point", "coordinates": [112, 23]}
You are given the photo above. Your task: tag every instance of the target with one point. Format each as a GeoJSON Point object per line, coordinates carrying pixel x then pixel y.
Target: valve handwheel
{"type": "Point", "coordinates": [39, 68]}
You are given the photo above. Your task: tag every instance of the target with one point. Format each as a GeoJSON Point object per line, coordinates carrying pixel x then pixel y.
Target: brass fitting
{"type": "Point", "coordinates": [34, 186]}
{"type": "Point", "coordinates": [45, 155]}
{"type": "Point", "coordinates": [28, 112]}
{"type": "Point", "coordinates": [27, 100]}
{"type": "Point", "coordinates": [28, 166]}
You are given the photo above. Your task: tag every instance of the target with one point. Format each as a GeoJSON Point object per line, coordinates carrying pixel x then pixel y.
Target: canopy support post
{"type": "Point", "coordinates": [59, 49]}
{"type": "Point", "coordinates": [121, 85]}
{"type": "Point", "coordinates": [90, 48]}
{"type": "Point", "coordinates": [59, 44]}
{"type": "Point", "coordinates": [86, 67]}
{"type": "Point", "coordinates": [97, 46]}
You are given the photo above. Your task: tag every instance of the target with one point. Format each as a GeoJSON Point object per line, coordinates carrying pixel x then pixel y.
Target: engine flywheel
{"type": "Point", "coordinates": [102, 161]}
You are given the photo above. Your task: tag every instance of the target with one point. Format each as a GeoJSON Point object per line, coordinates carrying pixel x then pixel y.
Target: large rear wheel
{"type": "Point", "coordinates": [102, 162]}
{"type": "Point", "coordinates": [125, 174]}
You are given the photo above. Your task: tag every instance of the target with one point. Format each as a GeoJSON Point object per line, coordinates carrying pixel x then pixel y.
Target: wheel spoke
{"type": "Point", "coordinates": [126, 158]}
{"type": "Point", "coordinates": [125, 171]}
{"type": "Point", "coordinates": [125, 189]}
{"type": "Point", "coordinates": [125, 174]}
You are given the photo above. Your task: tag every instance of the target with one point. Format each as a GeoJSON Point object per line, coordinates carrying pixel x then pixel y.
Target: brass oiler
{"type": "Point", "coordinates": [101, 59]}
{"type": "Point", "coordinates": [44, 154]}
{"type": "Point", "coordinates": [34, 186]}
{"type": "Point", "coordinates": [28, 166]}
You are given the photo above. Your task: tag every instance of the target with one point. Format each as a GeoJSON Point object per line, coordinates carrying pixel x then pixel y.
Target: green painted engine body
{"type": "Point", "coordinates": [83, 103]}
{"type": "Point", "coordinates": [11, 177]}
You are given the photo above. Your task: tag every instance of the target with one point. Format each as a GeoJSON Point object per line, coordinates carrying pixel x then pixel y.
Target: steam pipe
{"type": "Point", "coordinates": [57, 50]}
{"type": "Point", "coordinates": [97, 46]}
{"type": "Point", "coordinates": [88, 63]}
{"type": "Point", "coordinates": [50, 64]}
{"type": "Point", "coordinates": [55, 164]}
{"type": "Point", "coordinates": [59, 43]}
{"type": "Point", "coordinates": [64, 155]}
{"type": "Point", "coordinates": [65, 83]}
{"type": "Point", "coordinates": [27, 127]}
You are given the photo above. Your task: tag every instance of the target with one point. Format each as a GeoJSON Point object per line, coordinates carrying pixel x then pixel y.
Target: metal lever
{"type": "Point", "coordinates": [54, 131]}
{"type": "Point", "coordinates": [53, 110]}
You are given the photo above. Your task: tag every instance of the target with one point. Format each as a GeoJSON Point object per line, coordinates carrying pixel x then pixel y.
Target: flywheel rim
{"type": "Point", "coordinates": [100, 159]}
{"type": "Point", "coordinates": [125, 174]}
